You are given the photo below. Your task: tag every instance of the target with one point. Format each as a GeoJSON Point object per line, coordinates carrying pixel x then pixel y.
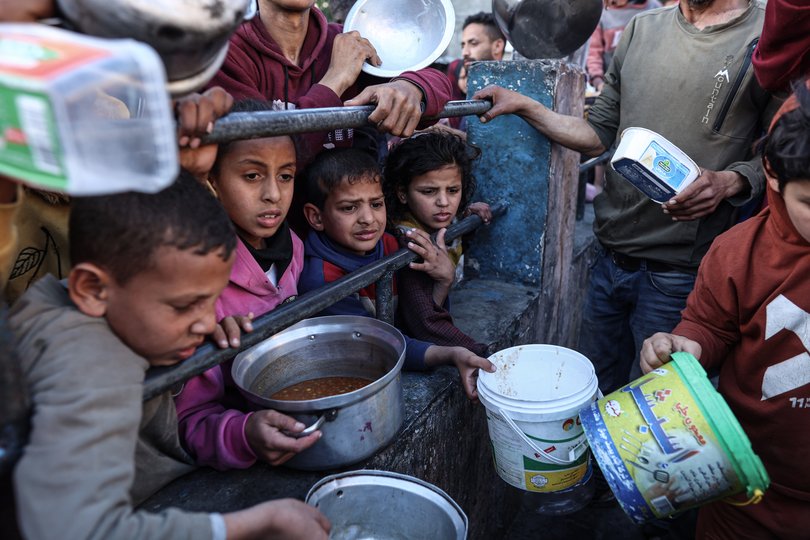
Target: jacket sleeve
{"type": "Point", "coordinates": [595, 61]}
{"type": "Point", "coordinates": [711, 313]}
{"type": "Point", "coordinates": [75, 475]}
{"type": "Point", "coordinates": [212, 434]}
{"type": "Point", "coordinates": [421, 318]}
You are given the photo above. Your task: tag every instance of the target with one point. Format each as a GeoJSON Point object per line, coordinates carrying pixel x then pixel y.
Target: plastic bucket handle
{"type": "Point", "coordinates": [574, 453]}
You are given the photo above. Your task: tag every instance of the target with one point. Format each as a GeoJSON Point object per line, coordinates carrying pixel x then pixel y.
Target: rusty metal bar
{"type": "Point", "coordinates": [252, 125]}
{"type": "Point", "coordinates": [161, 379]}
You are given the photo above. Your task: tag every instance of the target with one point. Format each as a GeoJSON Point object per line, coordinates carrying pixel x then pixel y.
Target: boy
{"type": "Point", "coordinates": [749, 315]}
{"type": "Point", "coordinates": [146, 272]}
{"type": "Point", "coordinates": [345, 207]}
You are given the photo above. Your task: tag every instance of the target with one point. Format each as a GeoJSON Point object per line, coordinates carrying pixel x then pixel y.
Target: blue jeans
{"type": "Point", "coordinates": [623, 308]}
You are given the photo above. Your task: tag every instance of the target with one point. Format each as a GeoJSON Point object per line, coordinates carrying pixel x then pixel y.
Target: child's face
{"type": "Point", "coordinates": [433, 198]}
{"type": "Point", "coordinates": [165, 312]}
{"type": "Point", "coordinates": [255, 185]}
{"type": "Point", "coordinates": [354, 215]}
{"type": "Point", "coordinates": [797, 201]}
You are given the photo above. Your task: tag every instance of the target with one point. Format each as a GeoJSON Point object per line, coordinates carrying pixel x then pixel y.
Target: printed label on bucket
{"type": "Point", "coordinates": [656, 449]}
{"type": "Point", "coordinates": [518, 465]}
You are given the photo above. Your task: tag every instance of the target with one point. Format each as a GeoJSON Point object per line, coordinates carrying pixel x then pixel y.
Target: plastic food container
{"type": "Point", "coordinates": [83, 115]}
{"type": "Point", "coordinates": [658, 168]}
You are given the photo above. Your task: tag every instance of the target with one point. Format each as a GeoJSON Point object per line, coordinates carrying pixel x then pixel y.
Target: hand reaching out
{"type": "Point", "coordinates": [228, 330]}
{"type": "Point", "coordinates": [480, 209]}
{"type": "Point", "coordinates": [265, 433]}
{"type": "Point", "coordinates": [280, 519]}
{"type": "Point", "coordinates": [349, 52]}
{"type": "Point", "coordinates": [435, 261]}
{"type": "Point", "coordinates": [656, 350]}
{"type": "Point", "coordinates": [399, 106]}
{"type": "Point", "coordinates": [196, 114]}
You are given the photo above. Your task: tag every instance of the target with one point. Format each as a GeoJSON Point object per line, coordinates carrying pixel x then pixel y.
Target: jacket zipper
{"type": "Point", "coordinates": [721, 117]}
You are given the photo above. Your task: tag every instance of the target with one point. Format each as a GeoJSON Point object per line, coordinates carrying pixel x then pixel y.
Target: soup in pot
{"type": "Point", "coordinates": [320, 387]}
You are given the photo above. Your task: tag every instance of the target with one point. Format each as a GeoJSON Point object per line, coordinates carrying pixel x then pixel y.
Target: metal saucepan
{"type": "Point", "coordinates": [355, 425]}
{"type": "Point", "coordinates": [547, 28]}
{"type": "Point", "coordinates": [191, 36]}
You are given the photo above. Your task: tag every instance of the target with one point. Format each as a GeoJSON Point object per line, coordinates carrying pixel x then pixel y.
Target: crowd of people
{"type": "Point", "coordinates": [137, 280]}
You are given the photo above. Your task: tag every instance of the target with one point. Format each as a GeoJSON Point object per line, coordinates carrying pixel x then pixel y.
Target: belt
{"type": "Point", "coordinates": [634, 264]}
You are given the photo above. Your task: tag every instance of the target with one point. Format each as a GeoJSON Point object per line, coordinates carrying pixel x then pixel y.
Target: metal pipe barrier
{"type": "Point", "coordinates": [161, 379]}
{"type": "Point", "coordinates": [253, 125]}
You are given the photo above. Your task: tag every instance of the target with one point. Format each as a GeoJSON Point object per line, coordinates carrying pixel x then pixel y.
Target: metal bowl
{"type": "Point", "coordinates": [547, 28]}
{"type": "Point", "coordinates": [408, 34]}
{"type": "Point", "coordinates": [354, 425]}
{"type": "Point", "coordinates": [386, 506]}
{"type": "Point", "coordinates": [191, 36]}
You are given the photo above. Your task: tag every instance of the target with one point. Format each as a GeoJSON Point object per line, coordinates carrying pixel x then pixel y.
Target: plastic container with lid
{"type": "Point", "coordinates": [655, 166]}
{"type": "Point", "coordinates": [83, 115]}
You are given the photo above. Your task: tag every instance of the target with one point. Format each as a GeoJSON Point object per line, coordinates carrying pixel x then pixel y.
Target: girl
{"type": "Point", "coordinates": [253, 180]}
{"type": "Point", "coordinates": [428, 183]}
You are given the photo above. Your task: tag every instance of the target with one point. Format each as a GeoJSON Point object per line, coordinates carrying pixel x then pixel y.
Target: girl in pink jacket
{"type": "Point", "coordinates": [253, 180]}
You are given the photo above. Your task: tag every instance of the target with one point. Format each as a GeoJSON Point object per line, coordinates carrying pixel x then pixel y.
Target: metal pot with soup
{"type": "Point", "coordinates": [339, 374]}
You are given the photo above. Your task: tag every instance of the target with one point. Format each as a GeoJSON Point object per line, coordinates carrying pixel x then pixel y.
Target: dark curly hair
{"type": "Point", "coordinates": [421, 154]}
{"type": "Point", "coordinates": [787, 147]}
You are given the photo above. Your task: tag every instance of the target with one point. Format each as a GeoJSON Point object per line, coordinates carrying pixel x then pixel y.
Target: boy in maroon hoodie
{"type": "Point", "coordinates": [290, 55]}
{"type": "Point", "coordinates": [749, 316]}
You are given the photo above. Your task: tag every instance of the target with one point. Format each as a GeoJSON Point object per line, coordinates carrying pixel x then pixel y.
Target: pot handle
{"type": "Point", "coordinates": [325, 417]}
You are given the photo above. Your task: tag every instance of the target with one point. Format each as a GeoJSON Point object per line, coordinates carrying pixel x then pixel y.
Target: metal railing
{"type": "Point", "coordinates": [381, 272]}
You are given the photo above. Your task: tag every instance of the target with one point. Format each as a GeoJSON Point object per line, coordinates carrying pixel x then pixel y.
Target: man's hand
{"type": "Point", "coordinates": [229, 330]}
{"type": "Point", "coordinates": [503, 102]}
{"type": "Point", "coordinates": [280, 519]}
{"type": "Point", "coordinates": [656, 350]}
{"type": "Point", "coordinates": [399, 106]}
{"type": "Point", "coordinates": [196, 114]}
{"type": "Point", "coordinates": [349, 52]}
{"type": "Point", "coordinates": [264, 432]}
{"type": "Point", "coordinates": [701, 197]}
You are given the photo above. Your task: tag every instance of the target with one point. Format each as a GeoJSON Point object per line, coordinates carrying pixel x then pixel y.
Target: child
{"type": "Point", "coordinates": [428, 184]}
{"type": "Point", "coordinates": [346, 209]}
{"type": "Point", "coordinates": [146, 272]}
{"type": "Point", "coordinates": [253, 180]}
{"type": "Point", "coordinates": [749, 316]}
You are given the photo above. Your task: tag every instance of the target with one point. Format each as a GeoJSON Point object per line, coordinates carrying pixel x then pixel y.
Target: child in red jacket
{"type": "Point", "coordinates": [749, 316]}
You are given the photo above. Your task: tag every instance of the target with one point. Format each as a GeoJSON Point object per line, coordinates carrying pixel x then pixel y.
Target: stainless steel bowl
{"type": "Point", "coordinates": [386, 506]}
{"type": "Point", "coordinates": [191, 36]}
{"type": "Point", "coordinates": [547, 28]}
{"type": "Point", "coordinates": [354, 425]}
{"type": "Point", "coordinates": [408, 34]}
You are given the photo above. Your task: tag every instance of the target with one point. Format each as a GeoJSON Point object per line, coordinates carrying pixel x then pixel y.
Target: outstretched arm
{"type": "Point", "coordinates": [570, 131]}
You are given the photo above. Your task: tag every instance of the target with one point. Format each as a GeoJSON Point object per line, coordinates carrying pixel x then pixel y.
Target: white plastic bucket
{"type": "Point", "coordinates": [532, 403]}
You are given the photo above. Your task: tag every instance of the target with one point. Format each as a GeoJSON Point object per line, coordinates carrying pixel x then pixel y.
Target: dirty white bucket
{"type": "Point", "coordinates": [532, 403]}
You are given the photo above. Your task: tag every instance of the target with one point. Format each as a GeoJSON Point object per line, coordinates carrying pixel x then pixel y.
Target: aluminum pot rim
{"type": "Point", "coordinates": [352, 478]}
{"type": "Point", "coordinates": [301, 329]}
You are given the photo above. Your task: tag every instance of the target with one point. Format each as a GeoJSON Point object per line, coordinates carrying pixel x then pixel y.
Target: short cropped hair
{"type": "Point", "coordinates": [248, 105]}
{"type": "Point", "coordinates": [787, 146]}
{"type": "Point", "coordinates": [122, 232]}
{"type": "Point", "coordinates": [424, 153]}
{"type": "Point", "coordinates": [332, 167]}
{"type": "Point", "coordinates": [488, 21]}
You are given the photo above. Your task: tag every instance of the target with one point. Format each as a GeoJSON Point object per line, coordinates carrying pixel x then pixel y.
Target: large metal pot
{"type": "Point", "coordinates": [547, 28]}
{"type": "Point", "coordinates": [385, 505]}
{"type": "Point", "coordinates": [354, 425]}
{"type": "Point", "coordinates": [191, 36]}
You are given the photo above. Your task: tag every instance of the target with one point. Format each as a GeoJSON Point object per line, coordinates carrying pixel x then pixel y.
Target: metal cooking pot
{"type": "Point", "coordinates": [547, 28]}
{"type": "Point", "coordinates": [354, 425]}
{"type": "Point", "coordinates": [408, 35]}
{"type": "Point", "coordinates": [191, 36]}
{"type": "Point", "coordinates": [385, 505]}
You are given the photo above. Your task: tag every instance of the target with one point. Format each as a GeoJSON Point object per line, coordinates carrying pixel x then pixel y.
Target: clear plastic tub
{"type": "Point", "coordinates": [83, 115]}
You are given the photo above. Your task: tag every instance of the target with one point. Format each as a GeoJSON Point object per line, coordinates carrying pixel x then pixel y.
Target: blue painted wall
{"type": "Point", "coordinates": [514, 167]}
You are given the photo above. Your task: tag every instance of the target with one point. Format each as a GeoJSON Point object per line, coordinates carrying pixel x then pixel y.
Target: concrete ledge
{"type": "Point", "coordinates": [444, 438]}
